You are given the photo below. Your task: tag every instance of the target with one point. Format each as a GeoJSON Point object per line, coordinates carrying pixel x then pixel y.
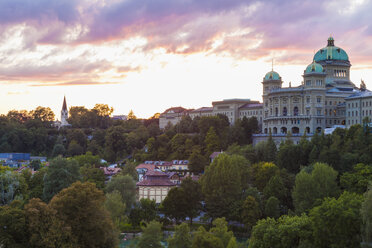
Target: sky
{"type": "Point", "coordinates": [149, 55]}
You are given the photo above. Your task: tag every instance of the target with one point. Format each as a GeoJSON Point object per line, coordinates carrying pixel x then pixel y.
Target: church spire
{"type": "Point", "coordinates": [64, 106]}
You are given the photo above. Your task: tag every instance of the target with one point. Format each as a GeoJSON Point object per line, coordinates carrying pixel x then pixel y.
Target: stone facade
{"type": "Point", "coordinates": [359, 107]}
{"type": "Point", "coordinates": [318, 103]}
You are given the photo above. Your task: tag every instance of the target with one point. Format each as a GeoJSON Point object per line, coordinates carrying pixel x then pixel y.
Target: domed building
{"type": "Point", "coordinates": [316, 104]}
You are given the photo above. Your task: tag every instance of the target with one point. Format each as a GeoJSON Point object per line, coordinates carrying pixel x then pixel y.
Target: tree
{"type": "Point", "coordinates": [174, 204]}
{"type": "Point", "coordinates": [103, 110]}
{"type": "Point", "coordinates": [272, 207]}
{"type": "Point", "coordinates": [12, 186]}
{"type": "Point", "coordinates": [220, 230]}
{"type": "Point", "coordinates": [261, 173]}
{"type": "Point", "coordinates": [74, 149]}
{"type": "Point", "coordinates": [251, 212]}
{"type": "Point", "coordinates": [232, 243]}
{"type": "Point", "coordinates": [115, 205]}
{"type": "Point", "coordinates": [45, 114]}
{"type": "Point", "coordinates": [131, 115]}
{"type": "Point", "coordinates": [276, 188]}
{"type": "Point", "coordinates": [13, 230]}
{"type": "Point", "coordinates": [193, 197]}
{"type": "Point", "coordinates": [336, 222]}
{"type": "Point", "coordinates": [61, 174]}
{"type": "Point", "coordinates": [357, 180]}
{"type": "Point", "coordinates": [366, 213]}
{"type": "Point", "coordinates": [212, 141]}
{"type": "Point", "coordinates": [115, 143]}
{"type": "Point", "coordinates": [88, 159]}
{"type": "Point", "coordinates": [45, 229]}
{"type": "Point", "coordinates": [126, 186]}
{"type": "Point", "coordinates": [145, 211]}
{"type": "Point", "coordinates": [220, 197]}
{"type": "Point", "coordinates": [93, 175]}
{"type": "Point", "coordinates": [130, 169]}
{"type": "Point", "coordinates": [58, 150]}
{"type": "Point", "coordinates": [181, 237]}
{"type": "Point", "coordinates": [197, 162]}
{"type": "Point", "coordinates": [287, 231]}
{"type": "Point", "coordinates": [322, 182]}
{"type": "Point", "coordinates": [81, 208]}
{"type": "Point", "coordinates": [204, 239]}
{"type": "Point", "coordinates": [151, 236]}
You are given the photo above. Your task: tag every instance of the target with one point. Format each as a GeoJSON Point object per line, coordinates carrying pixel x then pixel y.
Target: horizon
{"type": "Point", "coordinates": [150, 56]}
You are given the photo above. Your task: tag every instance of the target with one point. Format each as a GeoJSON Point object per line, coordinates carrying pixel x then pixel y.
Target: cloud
{"type": "Point", "coordinates": [288, 30]}
{"type": "Point", "coordinates": [74, 83]}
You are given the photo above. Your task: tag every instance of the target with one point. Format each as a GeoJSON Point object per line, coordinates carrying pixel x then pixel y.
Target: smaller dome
{"type": "Point", "coordinates": [314, 68]}
{"type": "Point", "coordinates": [272, 75]}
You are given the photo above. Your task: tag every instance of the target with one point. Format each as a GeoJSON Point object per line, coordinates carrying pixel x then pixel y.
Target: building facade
{"type": "Point", "coordinates": [326, 98]}
{"type": "Point", "coordinates": [316, 104]}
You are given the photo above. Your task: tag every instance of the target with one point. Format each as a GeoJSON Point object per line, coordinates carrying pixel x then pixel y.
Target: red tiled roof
{"type": "Point", "coordinates": [110, 171]}
{"type": "Point", "coordinates": [149, 167]}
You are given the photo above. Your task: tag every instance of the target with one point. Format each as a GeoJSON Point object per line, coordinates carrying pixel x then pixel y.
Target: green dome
{"type": "Point", "coordinates": [331, 52]}
{"type": "Point", "coordinates": [272, 75]}
{"type": "Point", "coordinates": [314, 68]}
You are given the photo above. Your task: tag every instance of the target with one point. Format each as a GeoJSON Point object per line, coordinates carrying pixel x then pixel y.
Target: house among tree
{"type": "Point", "coordinates": [154, 186]}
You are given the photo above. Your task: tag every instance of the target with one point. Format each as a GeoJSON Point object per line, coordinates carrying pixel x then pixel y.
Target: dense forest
{"type": "Point", "coordinates": [312, 194]}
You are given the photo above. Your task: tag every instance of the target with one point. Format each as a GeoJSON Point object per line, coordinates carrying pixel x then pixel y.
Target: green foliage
{"type": "Point", "coordinates": [220, 197]}
{"type": "Point", "coordinates": [287, 231]}
{"type": "Point", "coordinates": [272, 208]}
{"type": "Point", "coordinates": [12, 186]}
{"type": "Point", "coordinates": [13, 230]}
{"type": "Point", "coordinates": [88, 159]}
{"type": "Point", "coordinates": [126, 186]}
{"type": "Point", "coordinates": [151, 236]}
{"type": "Point", "coordinates": [357, 180]}
{"type": "Point", "coordinates": [261, 173]}
{"type": "Point", "coordinates": [129, 169]}
{"type": "Point", "coordinates": [61, 174]}
{"type": "Point", "coordinates": [144, 211]}
{"type": "Point", "coordinates": [212, 141]}
{"type": "Point", "coordinates": [115, 205]}
{"type": "Point", "coordinates": [337, 222]}
{"type": "Point", "coordinates": [45, 229]}
{"type": "Point", "coordinates": [220, 231]}
{"type": "Point", "coordinates": [366, 213]}
{"type": "Point", "coordinates": [232, 243]}
{"type": "Point", "coordinates": [204, 239]}
{"type": "Point", "coordinates": [251, 212]}
{"type": "Point", "coordinates": [181, 238]}
{"type": "Point", "coordinates": [197, 162]}
{"type": "Point", "coordinates": [310, 188]}
{"type": "Point", "coordinates": [81, 208]}
{"type": "Point", "coordinates": [93, 175]}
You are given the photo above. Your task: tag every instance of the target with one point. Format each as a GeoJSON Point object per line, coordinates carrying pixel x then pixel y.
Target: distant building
{"type": "Point", "coordinates": [359, 106]}
{"type": "Point", "coordinates": [64, 116]}
{"type": "Point", "coordinates": [326, 98]}
{"type": "Point", "coordinates": [172, 115]}
{"type": "Point", "coordinates": [120, 117]}
{"type": "Point", "coordinates": [154, 186]}
{"type": "Point", "coordinates": [110, 172]}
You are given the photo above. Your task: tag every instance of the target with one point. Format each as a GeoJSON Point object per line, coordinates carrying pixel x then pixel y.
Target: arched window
{"type": "Point", "coordinates": [307, 129]}
{"type": "Point", "coordinates": [275, 130]}
{"type": "Point", "coordinates": [276, 111]}
{"type": "Point", "coordinates": [295, 130]}
{"type": "Point", "coordinates": [283, 130]}
{"type": "Point", "coordinates": [295, 111]}
{"type": "Point", "coordinates": [285, 111]}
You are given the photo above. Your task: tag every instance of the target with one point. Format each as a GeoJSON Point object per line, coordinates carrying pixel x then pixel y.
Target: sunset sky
{"type": "Point", "coordinates": [149, 55]}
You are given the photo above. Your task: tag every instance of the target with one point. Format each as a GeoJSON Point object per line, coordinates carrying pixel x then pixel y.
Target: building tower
{"type": "Point", "coordinates": [64, 113]}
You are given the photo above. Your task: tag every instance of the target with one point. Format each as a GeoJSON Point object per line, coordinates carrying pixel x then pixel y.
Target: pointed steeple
{"type": "Point", "coordinates": [64, 106]}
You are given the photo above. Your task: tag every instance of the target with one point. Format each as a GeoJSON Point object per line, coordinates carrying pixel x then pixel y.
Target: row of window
{"type": "Point", "coordinates": [318, 82]}
{"type": "Point", "coordinates": [364, 113]}
{"type": "Point", "coordinates": [364, 104]}
{"type": "Point", "coordinates": [339, 73]}
{"type": "Point", "coordinates": [252, 112]}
